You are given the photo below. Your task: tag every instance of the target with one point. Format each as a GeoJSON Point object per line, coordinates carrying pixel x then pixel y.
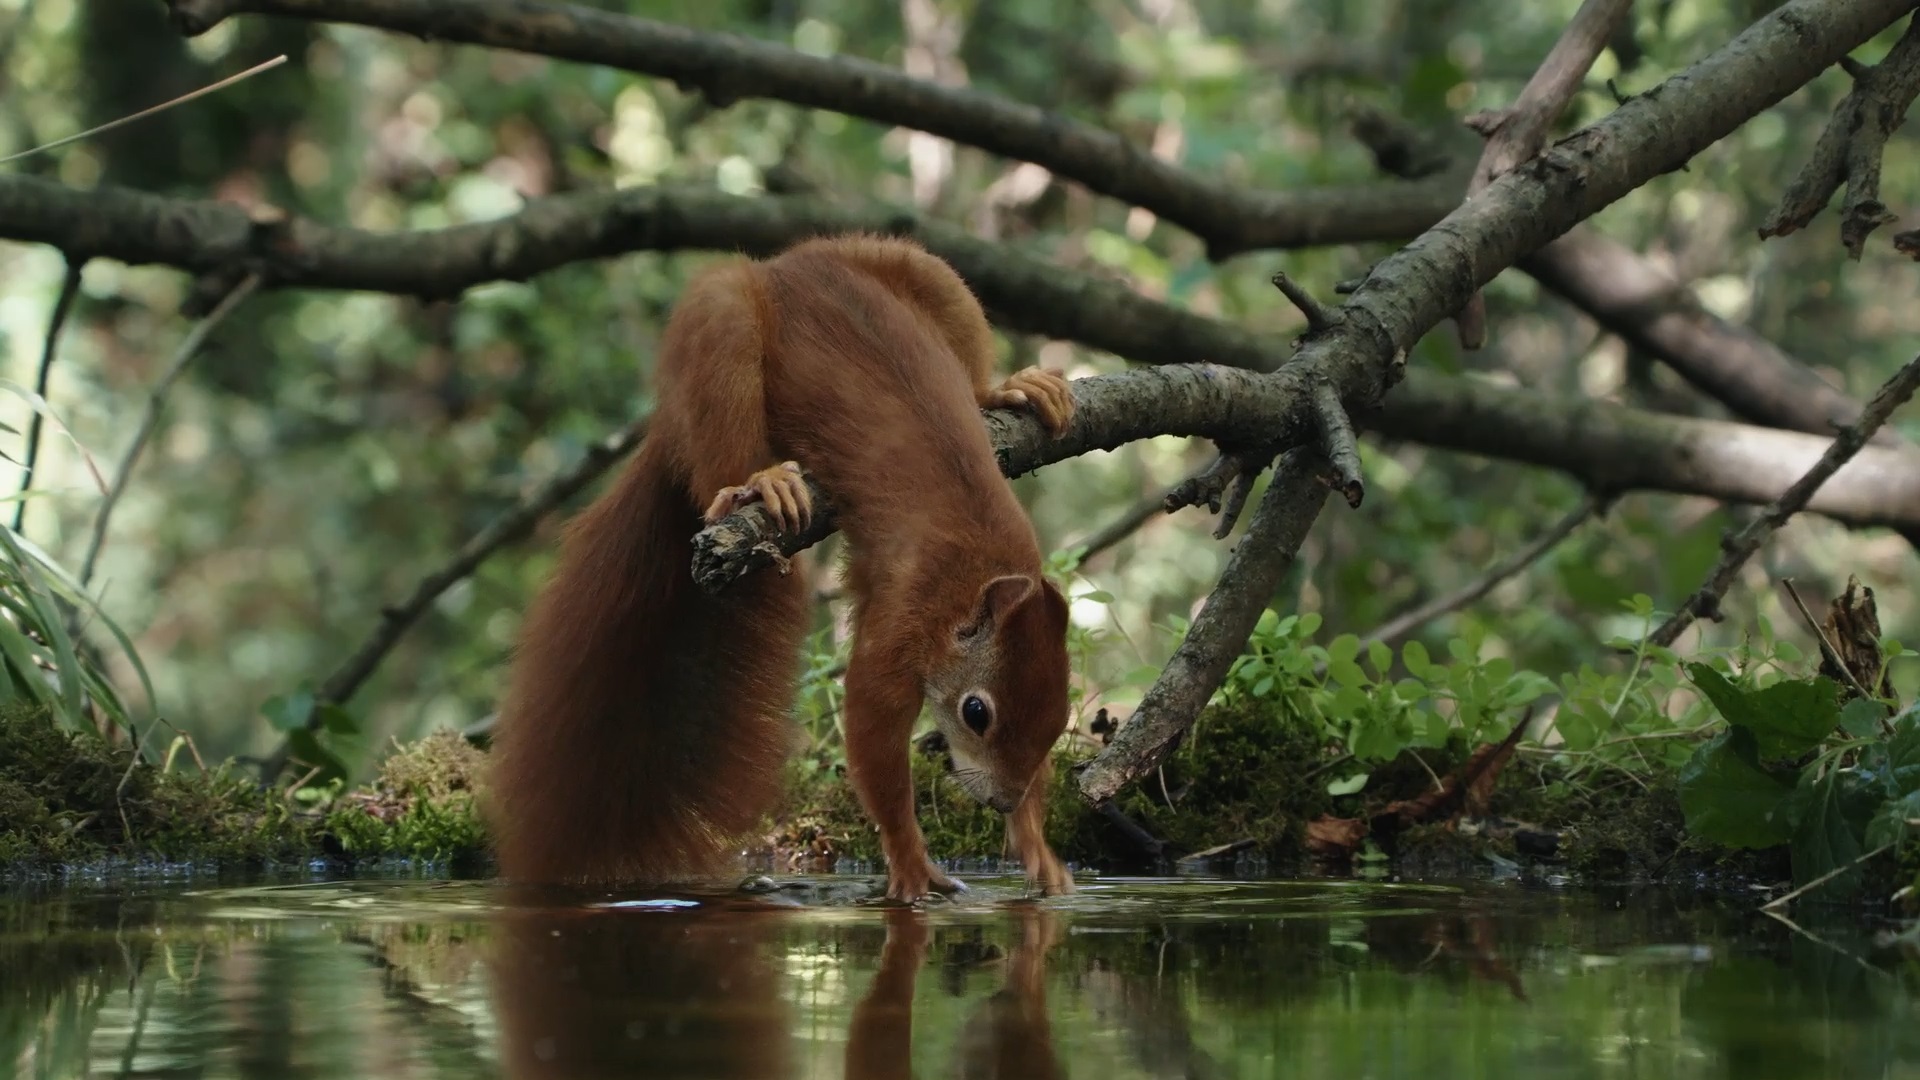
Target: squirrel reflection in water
{"type": "Point", "coordinates": [1007, 1036]}
{"type": "Point", "coordinates": [696, 992]}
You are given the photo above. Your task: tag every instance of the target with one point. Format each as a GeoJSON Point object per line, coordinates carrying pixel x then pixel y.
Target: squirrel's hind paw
{"type": "Point", "coordinates": [782, 487]}
{"type": "Point", "coordinates": [1044, 389]}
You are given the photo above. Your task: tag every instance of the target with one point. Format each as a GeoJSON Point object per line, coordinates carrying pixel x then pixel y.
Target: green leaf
{"type": "Point", "coordinates": [1787, 719]}
{"type": "Point", "coordinates": [1265, 684]}
{"type": "Point", "coordinates": [1380, 656]}
{"type": "Point", "coordinates": [1098, 596]}
{"type": "Point", "coordinates": [288, 712]}
{"type": "Point", "coordinates": [306, 747]}
{"type": "Point", "coordinates": [1889, 826]}
{"type": "Point", "coordinates": [1824, 840]}
{"type": "Point", "coordinates": [1576, 728]}
{"type": "Point", "coordinates": [1347, 786]}
{"type": "Point", "coordinates": [1343, 648]}
{"type": "Point", "coordinates": [1419, 665]}
{"type": "Point", "coordinates": [1309, 625]}
{"type": "Point", "coordinates": [1861, 718]}
{"type": "Point", "coordinates": [1903, 754]}
{"type": "Point", "coordinates": [1730, 799]}
{"type": "Point", "coordinates": [335, 718]}
{"type": "Point", "coordinates": [1347, 673]}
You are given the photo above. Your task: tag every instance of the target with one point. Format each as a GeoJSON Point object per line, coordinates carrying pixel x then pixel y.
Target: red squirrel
{"type": "Point", "coordinates": [646, 723]}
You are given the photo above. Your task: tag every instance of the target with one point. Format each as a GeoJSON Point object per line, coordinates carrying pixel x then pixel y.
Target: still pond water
{"type": "Point", "coordinates": [1186, 978]}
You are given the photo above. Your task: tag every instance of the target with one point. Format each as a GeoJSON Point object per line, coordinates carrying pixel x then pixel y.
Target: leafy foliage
{"type": "Point", "coordinates": [1802, 765]}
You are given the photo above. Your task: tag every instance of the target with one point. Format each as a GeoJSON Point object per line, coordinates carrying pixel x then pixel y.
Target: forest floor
{"type": "Point", "coordinates": [1245, 796]}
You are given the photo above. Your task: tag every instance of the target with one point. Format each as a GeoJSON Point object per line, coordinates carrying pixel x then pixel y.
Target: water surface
{"type": "Point", "coordinates": [1130, 978]}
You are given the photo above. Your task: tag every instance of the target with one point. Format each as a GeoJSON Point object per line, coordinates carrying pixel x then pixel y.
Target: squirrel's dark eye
{"type": "Point", "coordinates": [974, 712]}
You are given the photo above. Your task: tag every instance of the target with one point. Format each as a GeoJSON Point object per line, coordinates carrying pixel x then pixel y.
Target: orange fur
{"type": "Point", "coordinates": [646, 723]}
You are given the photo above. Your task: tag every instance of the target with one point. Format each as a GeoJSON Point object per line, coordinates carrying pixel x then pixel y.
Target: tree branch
{"type": "Point", "coordinates": [1850, 149]}
{"type": "Point", "coordinates": [1751, 376]}
{"type": "Point", "coordinates": [1518, 132]}
{"type": "Point", "coordinates": [1653, 311]}
{"type": "Point", "coordinates": [1408, 292]}
{"type": "Point", "coordinates": [1281, 521]}
{"type": "Point", "coordinates": [1705, 601]}
{"type": "Point", "coordinates": [1607, 446]}
{"type": "Point", "coordinates": [727, 68]}
{"type": "Point", "coordinates": [1646, 306]}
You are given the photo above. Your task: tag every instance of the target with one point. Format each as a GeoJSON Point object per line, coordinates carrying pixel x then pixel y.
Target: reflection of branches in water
{"type": "Point", "coordinates": [440, 1023]}
{"type": "Point", "coordinates": [1151, 1016]}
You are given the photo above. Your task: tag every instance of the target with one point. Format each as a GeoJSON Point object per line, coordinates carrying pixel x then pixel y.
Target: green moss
{"type": "Point", "coordinates": [423, 805]}
{"type": "Point", "coordinates": [1240, 774]}
{"type": "Point", "coordinates": [68, 797]}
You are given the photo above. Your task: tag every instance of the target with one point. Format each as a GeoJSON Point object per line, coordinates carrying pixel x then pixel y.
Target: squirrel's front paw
{"type": "Point", "coordinates": [1045, 389]}
{"type": "Point", "coordinates": [782, 487]}
{"type": "Point", "coordinates": [912, 885]}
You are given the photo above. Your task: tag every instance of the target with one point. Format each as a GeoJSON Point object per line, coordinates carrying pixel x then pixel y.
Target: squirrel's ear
{"type": "Point", "coordinates": [1000, 596]}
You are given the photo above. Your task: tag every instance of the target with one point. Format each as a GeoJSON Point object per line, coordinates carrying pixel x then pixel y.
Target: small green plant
{"type": "Point", "coordinates": [1348, 691]}
{"type": "Point", "coordinates": [43, 662]}
{"type": "Point", "coordinates": [1800, 764]}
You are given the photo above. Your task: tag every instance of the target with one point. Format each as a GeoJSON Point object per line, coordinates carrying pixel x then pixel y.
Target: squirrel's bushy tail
{"type": "Point", "coordinates": [646, 723]}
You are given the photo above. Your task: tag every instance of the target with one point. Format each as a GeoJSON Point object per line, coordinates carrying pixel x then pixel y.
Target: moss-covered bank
{"type": "Point", "coordinates": [1246, 779]}
{"type": "Point", "coordinates": [69, 800]}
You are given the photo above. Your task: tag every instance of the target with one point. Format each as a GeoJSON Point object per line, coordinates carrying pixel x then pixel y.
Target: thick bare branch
{"type": "Point", "coordinates": [1519, 131]}
{"type": "Point", "coordinates": [1705, 601]}
{"type": "Point", "coordinates": [1653, 311]}
{"type": "Point", "coordinates": [1606, 446]}
{"type": "Point", "coordinates": [1281, 521]}
{"type": "Point", "coordinates": [727, 68]}
{"type": "Point", "coordinates": [1850, 149]}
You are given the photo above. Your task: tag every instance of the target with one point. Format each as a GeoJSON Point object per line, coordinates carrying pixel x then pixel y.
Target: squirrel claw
{"type": "Point", "coordinates": [1044, 390]}
{"type": "Point", "coordinates": [782, 487]}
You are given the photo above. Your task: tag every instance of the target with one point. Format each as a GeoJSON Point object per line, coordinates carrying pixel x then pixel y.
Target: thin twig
{"type": "Point", "coordinates": [1318, 316]}
{"type": "Point", "coordinates": [1520, 131]}
{"type": "Point", "coordinates": [1401, 625]}
{"type": "Point", "coordinates": [182, 99]}
{"type": "Point", "coordinates": [516, 522]}
{"type": "Point", "coordinates": [1705, 602]}
{"type": "Point", "coordinates": [1782, 901]}
{"type": "Point", "coordinates": [1826, 644]}
{"type": "Point", "coordinates": [1123, 526]}
{"type": "Point", "coordinates": [69, 291]}
{"type": "Point", "coordinates": [151, 417]}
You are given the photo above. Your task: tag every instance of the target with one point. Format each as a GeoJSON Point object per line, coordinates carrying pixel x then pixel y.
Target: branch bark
{"type": "Point", "coordinates": [1281, 521]}
{"type": "Point", "coordinates": [1520, 131]}
{"type": "Point", "coordinates": [1850, 149]}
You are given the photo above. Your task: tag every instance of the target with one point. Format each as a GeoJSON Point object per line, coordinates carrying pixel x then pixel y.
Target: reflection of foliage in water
{"type": "Point", "coordinates": [1195, 978]}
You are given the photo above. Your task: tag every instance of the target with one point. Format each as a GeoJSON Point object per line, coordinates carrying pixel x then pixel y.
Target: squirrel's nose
{"type": "Point", "coordinates": [1003, 804]}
